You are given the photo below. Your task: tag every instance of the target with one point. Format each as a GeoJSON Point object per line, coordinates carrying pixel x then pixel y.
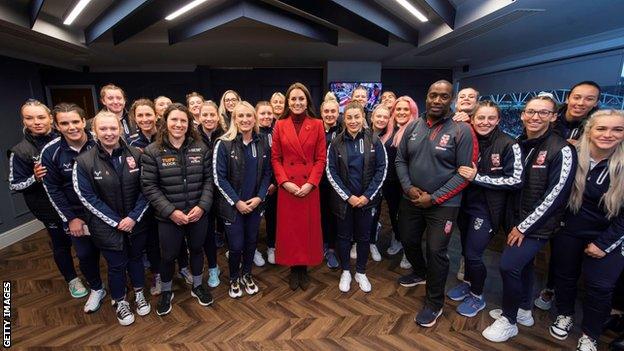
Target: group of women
{"type": "Point", "coordinates": [162, 179]}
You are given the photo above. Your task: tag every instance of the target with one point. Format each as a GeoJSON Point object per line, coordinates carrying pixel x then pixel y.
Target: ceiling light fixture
{"type": "Point", "coordinates": [76, 11]}
{"type": "Point", "coordinates": [414, 11]}
{"type": "Point", "coordinates": [186, 8]}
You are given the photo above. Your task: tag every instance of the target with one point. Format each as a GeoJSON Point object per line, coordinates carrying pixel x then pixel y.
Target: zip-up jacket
{"type": "Point", "coordinates": [22, 159]}
{"type": "Point", "coordinates": [430, 154]}
{"type": "Point", "coordinates": [177, 179]}
{"type": "Point", "coordinates": [569, 130]}
{"type": "Point", "coordinates": [591, 221]}
{"type": "Point", "coordinates": [229, 168]}
{"type": "Point", "coordinates": [58, 158]}
{"type": "Point", "coordinates": [330, 135]}
{"type": "Point", "coordinates": [109, 186]}
{"type": "Point", "coordinates": [211, 139]}
{"type": "Point", "coordinates": [499, 171]}
{"type": "Point", "coordinates": [549, 168]}
{"type": "Point", "coordinates": [355, 166]}
{"type": "Point", "coordinates": [140, 140]}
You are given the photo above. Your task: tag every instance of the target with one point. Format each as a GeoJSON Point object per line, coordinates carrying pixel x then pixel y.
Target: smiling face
{"type": "Point", "coordinates": [161, 105]}
{"type": "Point", "coordinates": [265, 116]}
{"type": "Point", "coordinates": [535, 124]}
{"type": "Point", "coordinates": [114, 101]}
{"type": "Point", "coordinates": [107, 131]}
{"type": "Point", "coordinates": [194, 105]}
{"type": "Point", "coordinates": [354, 120]}
{"type": "Point", "coordinates": [329, 113]}
{"type": "Point", "coordinates": [607, 132]}
{"type": "Point", "coordinates": [278, 105]}
{"type": "Point", "coordinates": [208, 118]}
{"type": "Point", "coordinates": [361, 96]}
{"type": "Point", "coordinates": [145, 118]}
{"type": "Point", "coordinates": [36, 120]}
{"type": "Point", "coordinates": [297, 102]}
{"type": "Point", "coordinates": [70, 125]}
{"type": "Point", "coordinates": [438, 101]}
{"type": "Point", "coordinates": [466, 100]}
{"type": "Point", "coordinates": [581, 100]}
{"type": "Point", "coordinates": [388, 99]}
{"type": "Point", "coordinates": [230, 100]}
{"type": "Point", "coordinates": [485, 120]}
{"type": "Point", "coordinates": [177, 125]}
{"type": "Point", "coordinates": [244, 118]}
{"type": "Point", "coordinates": [401, 113]}
{"type": "Point", "coordinates": [380, 119]}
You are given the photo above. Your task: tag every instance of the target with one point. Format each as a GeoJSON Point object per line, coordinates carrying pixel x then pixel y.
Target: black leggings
{"type": "Point", "coordinates": [171, 238]}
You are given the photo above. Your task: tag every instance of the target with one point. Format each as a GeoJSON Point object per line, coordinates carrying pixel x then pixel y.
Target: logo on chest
{"type": "Point", "coordinates": [132, 166]}
{"type": "Point", "coordinates": [443, 143]}
{"type": "Point", "coordinates": [496, 162]}
{"type": "Point", "coordinates": [169, 161]}
{"type": "Point", "coordinates": [97, 175]}
{"type": "Point", "coordinates": [541, 159]}
{"type": "Point", "coordinates": [194, 160]}
{"type": "Point", "coordinates": [67, 167]}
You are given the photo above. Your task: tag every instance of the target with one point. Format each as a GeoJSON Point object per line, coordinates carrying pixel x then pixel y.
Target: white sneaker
{"type": "Point", "coordinates": [375, 255]}
{"type": "Point", "coordinates": [500, 331]}
{"type": "Point", "coordinates": [258, 259]}
{"type": "Point", "coordinates": [524, 317]}
{"type": "Point", "coordinates": [271, 255]}
{"type": "Point", "coordinates": [405, 263]}
{"type": "Point", "coordinates": [77, 289]}
{"type": "Point", "coordinates": [462, 268]}
{"type": "Point", "coordinates": [365, 284]}
{"type": "Point", "coordinates": [156, 285]}
{"type": "Point", "coordinates": [585, 343]}
{"type": "Point", "coordinates": [353, 252]}
{"type": "Point", "coordinates": [395, 246]}
{"type": "Point", "coordinates": [124, 314]}
{"type": "Point", "coordinates": [94, 301]}
{"type": "Point", "coordinates": [561, 327]}
{"type": "Point", "coordinates": [345, 281]}
{"type": "Point", "coordinates": [143, 308]}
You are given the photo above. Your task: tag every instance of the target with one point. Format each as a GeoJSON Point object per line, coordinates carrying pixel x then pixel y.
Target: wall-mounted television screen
{"type": "Point", "coordinates": [344, 90]}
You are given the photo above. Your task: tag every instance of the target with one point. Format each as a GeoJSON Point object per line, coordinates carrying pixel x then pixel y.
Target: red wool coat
{"type": "Point", "coordinates": [299, 159]}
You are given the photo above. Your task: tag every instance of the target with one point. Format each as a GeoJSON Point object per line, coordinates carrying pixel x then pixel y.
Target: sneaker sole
{"type": "Point", "coordinates": [200, 301]}
{"type": "Point", "coordinates": [144, 313]}
{"type": "Point", "coordinates": [360, 285]}
{"type": "Point", "coordinates": [500, 340]}
{"type": "Point", "coordinates": [214, 285]}
{"type": "Point", "coordinates": [252, 291]}
{"type": "Point", "coordinates": [79, 296]}
{"type": "Point", "coordinates": [457, 298]}
{"type": "Point", "coordinates": [523, 323]}
{"type": "Point", "coordinates": [167, 311]}
{"type": "Point", "coordinates": [236, 296]}
{"type": "Point", "coordinates": [409, 285]}
{"type": "Point", "coordinates": [125, 323]}
{"type": "Point", "coordinates": [431, 324]}
{"type": "Point", "coordinates": [556, 336]}
{"type": "Point", "coordinates": [98, 306]}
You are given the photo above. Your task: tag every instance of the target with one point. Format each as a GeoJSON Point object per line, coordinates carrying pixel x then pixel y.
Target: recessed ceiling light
{"type": "Point", "coordinates": [184, 9]}
{"type": "Point", "coordinates": [76, 11]}
{"type": "Point", "coordinates": [414, 11]}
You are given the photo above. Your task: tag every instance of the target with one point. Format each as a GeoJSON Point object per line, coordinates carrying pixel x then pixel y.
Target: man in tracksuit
{"type": "Point", "coordinates": [431, 151]}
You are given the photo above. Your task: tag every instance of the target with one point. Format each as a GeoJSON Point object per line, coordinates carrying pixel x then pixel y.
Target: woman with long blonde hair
{"type": "Point", "coordinates": [229, 100]}
{"type": "Point", "coordinates": [591, 238]}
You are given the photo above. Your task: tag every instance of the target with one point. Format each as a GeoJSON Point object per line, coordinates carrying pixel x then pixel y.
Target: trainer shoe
{"type": "Point", "coordinates": [185, 273]}
{"type": "Point", "coordinates": [204, 297]}
{"type": "Point", "coordinates": [471, 306]}
{"type": "Point", "coordinates": [213, 277]}
{"type": "Point", "coordinates": [235, 289]}
{"type": "Point", "coordinates": [395, 246]}
{"type": "Point", "coordinates": [461, 270]}
{"type": "Point", "coordinates": [94, 301]}
{"type": "Point", "coordinates": [345, 281]}
{"type": "Point", "coordinates": [353, 253]}
{"type": "Point", "coordinates": [258, 260]}
{"type": "Point", "coordinates": [143, 308]}
{"type": "Point", "coordinates": [427, 317]}
{"type": "Point", "coordinates": [164, 303]}
{"type": "Point", "coordinates": [500, 331]}
{"type": "Point", "coordinates": [561, 327]}
{"type": "Point", "coordinates": [77, 289]}
{"type": "Point", "coordinates": [545, 299]}
{"type": "Point", "coordinates": [124, 313]}
{"type": "Point", "coordinates": [156, 285]}
{"type": "Point", "coordinates": [332, 260]}
{"type": "Point", "coordinates": [271, 255]}
{"type": "Point", "coordinates": [410, 280]}
{"type": "Point", "coordinates": [459, 292]}
{"type": "Point", "coordinates": [585, 343]}
{"type": "Point", "coordinates": [523, 317]}
{"type": "Point", "coordinates": [250, 285]}
{"type": "Point", "coordinates": [375, 255]}
{"type": "Point", "coordinates": [363, 281]}
{"type": "Point", "coordinates": [405, 264]}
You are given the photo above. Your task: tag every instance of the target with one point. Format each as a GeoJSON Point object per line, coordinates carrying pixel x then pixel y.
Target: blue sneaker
{"type": "Point", "coordinates": [427, 317]}
{"type": "Point", "coordinates": [459, 292]}
{"type": "Point", "coordinates": [213, 277]}
{"type": "Point", "coordinates": [332, 260]}
{"type": "Point", "coordinates": [471, 306]}
{"type": "Point", "coordinates": [410, 280]}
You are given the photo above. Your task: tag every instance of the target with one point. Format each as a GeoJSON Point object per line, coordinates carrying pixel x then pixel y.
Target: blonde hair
{"type": "Point", "coordinates": [233, 129]}
{"type": "Point", "coordinates": [277, 94]}
{"type": "Point", "coordinates": [37, 103]}
{"type": "Point", "coordinates": [329, 97]}
{"type": "Point", "coordinates": [105, 114]}
{"type": "Point", "coordinates": [111, 86]}
{"type": "Point", "coordinates": [613, 200]}
{"type": "Point", "coordinates": [193, 94]}
{"type": "Point", "coordinates": [327, 102]}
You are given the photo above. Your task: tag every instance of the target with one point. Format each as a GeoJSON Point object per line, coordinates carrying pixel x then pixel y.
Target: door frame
{"type": "Point", "coordinates": [83, 86]}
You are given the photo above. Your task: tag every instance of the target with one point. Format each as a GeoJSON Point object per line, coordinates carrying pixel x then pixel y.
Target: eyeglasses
{"type": "Point", "coordinates": [230, 100]}
{"type": "Point", "coordinates": [541, 113]}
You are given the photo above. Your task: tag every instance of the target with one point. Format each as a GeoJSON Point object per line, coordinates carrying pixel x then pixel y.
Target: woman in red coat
{"type": "Point", "coordinates": [298, 157]}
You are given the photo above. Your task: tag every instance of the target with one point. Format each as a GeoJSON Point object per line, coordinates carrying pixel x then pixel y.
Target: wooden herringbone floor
{"type": "Point", "coordinates": [321, 318]}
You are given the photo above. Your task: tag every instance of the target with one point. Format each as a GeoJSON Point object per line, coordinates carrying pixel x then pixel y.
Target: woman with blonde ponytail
{"type": "Point", "coordinates": [593, 230]}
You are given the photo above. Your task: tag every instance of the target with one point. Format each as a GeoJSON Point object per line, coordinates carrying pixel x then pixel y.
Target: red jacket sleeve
{"type": "Point", "coordinates": [320, 156]}
{"type": "Point", "coordinates": [276, 156]}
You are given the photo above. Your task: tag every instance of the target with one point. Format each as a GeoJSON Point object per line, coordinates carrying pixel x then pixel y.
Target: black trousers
{"type": "Point", "coordinates": [171, 238]}
{"type": "Point", "coordinates": [437, 223]}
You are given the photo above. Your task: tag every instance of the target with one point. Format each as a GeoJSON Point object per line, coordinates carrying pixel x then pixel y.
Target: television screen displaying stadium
{"type": "Point", "coordinates": [344, 90]}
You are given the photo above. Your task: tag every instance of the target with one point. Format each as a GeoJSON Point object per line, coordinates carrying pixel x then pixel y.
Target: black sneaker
{"type": "Point", "coordinates": [410, 280]}
{"type": "Point", "coordinates": [204, 297]}
{"type": "Point", "coordinates": [164, 303]}
{"type": "Point", "coordinates": [250, 285]}
{"type": "Point", "coordinates": [235, 289]}
{"type": "Point", "coordinates": [427, 317]}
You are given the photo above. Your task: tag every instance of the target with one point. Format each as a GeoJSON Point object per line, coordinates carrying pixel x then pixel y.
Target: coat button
{"type": "Point", "coordinates": [305, 177]}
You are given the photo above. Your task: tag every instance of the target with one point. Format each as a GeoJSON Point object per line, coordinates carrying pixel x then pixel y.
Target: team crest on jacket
{"type": "Point", "coordinates": [448, 227]}
{"type": "Point", "coordinates": [195, 159]}
{"type": "Point", "coordinates": [478, 222]}
{"type": "Point", "coordinates": [131, 162]}
{"type": "Point", "coordinates": [495, 160]}
{"type": "Point", "coordinates": [444, 140]}
{"type": "Point", "coordinates": [541, 158]}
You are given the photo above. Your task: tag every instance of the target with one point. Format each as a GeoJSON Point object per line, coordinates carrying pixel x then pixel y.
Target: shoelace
{"type": "Point", "coordinates": [140, 300]}
{"type": "Point", "coordinates": [123, 309]}
{"type": "Point", "coordinates": [563, 322]}
{"type": "Point", "coordinates": [587, 343]}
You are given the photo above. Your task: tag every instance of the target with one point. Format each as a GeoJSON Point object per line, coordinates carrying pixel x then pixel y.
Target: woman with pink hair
{"type": "Point", "coordinates": [404, 111]}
